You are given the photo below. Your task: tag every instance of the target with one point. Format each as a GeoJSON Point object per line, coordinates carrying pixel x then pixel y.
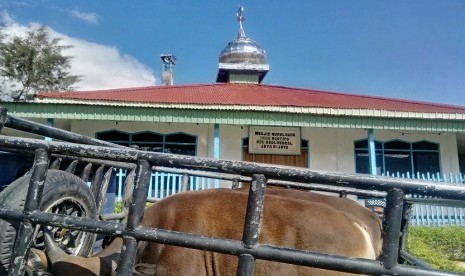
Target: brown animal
{"type": "Point", "coordinates": [295, 219]}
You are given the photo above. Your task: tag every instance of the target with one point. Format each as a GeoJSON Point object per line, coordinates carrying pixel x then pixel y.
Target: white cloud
{"type": "Point", "coordinates": [100, 66]}
{"type": "Point", "coordinates": [88, 17]}
{"type": "Point", "coordinates": [104, 66]}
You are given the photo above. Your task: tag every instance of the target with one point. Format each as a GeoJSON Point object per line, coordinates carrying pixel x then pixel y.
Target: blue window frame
{"type": "Point", "coordinates": [178, 142]}
{"type": "Point", "coordinates": [398, 156]}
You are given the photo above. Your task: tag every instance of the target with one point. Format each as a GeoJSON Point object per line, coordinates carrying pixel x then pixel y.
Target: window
{"type": "Point", "coordinates": [399, 157]}
{"type": "Point", "coordinates": [178, 143]}
{"type": "Point", "coordinates": [115, 136]}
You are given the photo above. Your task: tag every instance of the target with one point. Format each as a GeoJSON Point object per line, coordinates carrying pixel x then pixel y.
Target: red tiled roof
{"type": "Point", "coordinates": [252, 95]}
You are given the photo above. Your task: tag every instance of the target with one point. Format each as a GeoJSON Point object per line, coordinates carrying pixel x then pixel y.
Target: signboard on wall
{"type": "Point", "coordinates": [274, 140]}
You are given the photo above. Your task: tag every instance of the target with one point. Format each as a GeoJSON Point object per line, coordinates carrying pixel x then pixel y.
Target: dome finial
{"type": "Point", "coordinates": [242, 60]}
{"type": "Point", "coordinates": [240, 19]}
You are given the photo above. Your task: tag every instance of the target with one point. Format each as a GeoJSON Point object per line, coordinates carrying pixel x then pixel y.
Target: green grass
{"type": "Point", "coordinates": [438, 246]}
{"type": "Point", "coordinates": [119, 205]}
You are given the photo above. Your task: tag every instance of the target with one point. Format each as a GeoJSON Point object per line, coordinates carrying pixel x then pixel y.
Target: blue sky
{"type": "Point", "coordinates": [404, 49]}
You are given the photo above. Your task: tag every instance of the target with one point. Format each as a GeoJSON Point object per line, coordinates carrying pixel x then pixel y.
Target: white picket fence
{"type": "Point", "coordinates": [433, 215]}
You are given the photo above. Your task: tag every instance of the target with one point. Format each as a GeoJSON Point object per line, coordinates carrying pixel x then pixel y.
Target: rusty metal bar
{"type": "Point", "coordinates": [72, 166]}
{"type": "Point", "coordinates": [392, 228]}
{"type": "Point", "coordinates": [246, 265]}
{"type": "Point", "coordinates": [225, 246]}
{"type": "Point", "coordinates": [102, 190]}
{"type": "Point", "coordinates": [127, 199]}
{"type": "Point", "coordinates": [56, 164]}
{"type": "Point", "coordinates": [136, 210]}
{"type": "Point", "coordinates": [25, 232]}
{"type": "Point", "coordinates": [235, 178]}
{"type": "Point", "coordinates": [365, 182]}
{"type": "Point", "coordinates": [244, 170]}
{"type": "Point", "coordinates": [413, 260]}
{"type": "Point", "coordinates": [128, 191]}
{"type": "Point", "coordinates": [56, 133]}
{"type": "Point", "coordinates": [86, 172]}
{"type": "Point", "coordinates": [115, 216]}
{"type": "Point", "coordinates": [407, 213]}
{"type": "Point", "coordinates": [115, 164]}
{"type": "Point", "coordinates": [95, 185]}
{"type": "Point", "coordinates": [252, 225]}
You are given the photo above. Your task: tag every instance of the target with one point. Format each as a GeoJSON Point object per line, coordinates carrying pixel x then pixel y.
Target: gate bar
{"type": "Point", "coordinates": [413, 260]}
{"type": "Point", "coordinates": [252, 224]}
{"type": "Point", "coordinates": [56, 133]}
{"type": "Point", "coordinates": [365, 182]}
{"type": "Point", "coordinates": [235, 178]}
{"type": "Point", "coordinates": [102, 190]}
{"type": "Point", "coordinates": [220, 245]}
{"type": "Point", "coordinates": [407, 213]}
{"type": "Point", "coordinates": [136, 211]}
{"type": "Point", "coordinates": [392, 225]}
{"type": "Point", "coordinates": [95, 185]}
{"type": "Point", "coordinates": [26, 229]}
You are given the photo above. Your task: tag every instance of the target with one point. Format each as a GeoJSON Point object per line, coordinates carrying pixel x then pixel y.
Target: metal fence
{"type": "Point", "coordinates": [248, 249]}
{"type": "Point", "coordinates": [146, 161]}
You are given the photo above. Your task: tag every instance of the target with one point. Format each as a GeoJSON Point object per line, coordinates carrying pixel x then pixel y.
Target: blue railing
{"type": "Point", "coordinates": [434, 215]}
{"type": "Point", "coordinates": [163, 184]}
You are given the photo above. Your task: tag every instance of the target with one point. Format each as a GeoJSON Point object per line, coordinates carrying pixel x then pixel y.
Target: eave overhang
{"type": "Point", "coordinates": [239, 115]}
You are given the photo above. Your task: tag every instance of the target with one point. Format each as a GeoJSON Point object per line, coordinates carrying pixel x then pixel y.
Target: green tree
{"type": "Point", "coordinates": [35, 63]}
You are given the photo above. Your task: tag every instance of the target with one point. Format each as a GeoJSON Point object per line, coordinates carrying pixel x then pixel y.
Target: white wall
{"type": "Point", "coordinates": [333, 149]}
{"type": "Point", "coordinates": [89, 128]}
{"type": "Point", "coordinates": [330, 149]}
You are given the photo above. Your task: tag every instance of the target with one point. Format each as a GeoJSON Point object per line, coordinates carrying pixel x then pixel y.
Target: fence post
{"type": "Point", "coordinates": [253, 222]}
{"type": "Point", "coordinates": [392, 227]}
{"type": "Point", "coordinates": [136, 210]}
{"type": "Point", "coordinates": [407, 215]}
{"type": "Point", "coordinates": [26, 228]}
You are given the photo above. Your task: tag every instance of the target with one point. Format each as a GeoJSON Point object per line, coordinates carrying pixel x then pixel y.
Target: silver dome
{"type": "Point", "coordinates": [242, 60]}
{"type": "Point", "coordinates": [243, 50]}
